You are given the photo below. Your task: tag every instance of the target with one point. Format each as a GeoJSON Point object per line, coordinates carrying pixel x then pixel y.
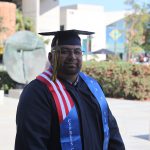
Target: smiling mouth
{"type": "Point", "coordinates": [70, 63]}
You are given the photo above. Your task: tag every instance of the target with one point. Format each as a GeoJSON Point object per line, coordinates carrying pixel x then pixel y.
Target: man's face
{"type": "Point", "coordinates": [69, 57]}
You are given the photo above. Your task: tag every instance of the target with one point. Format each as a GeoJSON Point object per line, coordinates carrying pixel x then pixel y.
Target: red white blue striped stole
{"type": "Point", "coordinates": [62, 98]}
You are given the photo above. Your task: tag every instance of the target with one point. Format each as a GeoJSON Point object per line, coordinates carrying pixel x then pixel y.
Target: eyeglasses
{"type": "Point", "coordinates": [69, 51]}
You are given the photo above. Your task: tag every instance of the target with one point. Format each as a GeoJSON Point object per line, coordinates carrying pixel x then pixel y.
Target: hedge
{"type": "Point", "coordinates": [6, 82]}
{"type": "Point", "coordinates": [118, 79]}
{"type": "Point", "coordinates": [121, 79]}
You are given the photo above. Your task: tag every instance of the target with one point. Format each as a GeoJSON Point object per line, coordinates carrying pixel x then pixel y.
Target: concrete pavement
{"type": "Point", "coordinates": [133, 118]}
{"type": "Point", "coordinates": [7, 123]}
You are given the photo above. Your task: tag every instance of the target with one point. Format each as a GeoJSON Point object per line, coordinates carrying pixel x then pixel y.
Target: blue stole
{"type": "Point", "coordinates": [98, 93]}
{"type": "Point", "coordinates": [70, 132]}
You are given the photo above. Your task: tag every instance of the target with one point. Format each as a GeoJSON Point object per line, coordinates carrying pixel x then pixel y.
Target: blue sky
{"type": "Point", "coordinates": [109, 5]}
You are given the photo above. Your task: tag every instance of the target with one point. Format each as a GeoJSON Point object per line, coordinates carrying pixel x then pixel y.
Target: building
{"type": "Point", "coordinates": [115, 37]}
{"type": "Point", "coordinates": [85, 17]}
{"type": "Point", "coordinates": [8, 18]}
{"type": "Point", "coordinates": [115, 32]}
{"type": "Point", "coordinates": [44, 13]}
{"type": "Point", "coordinates": [47, 15]}
{"type": "Point", "coordinates": [7, 23]}
{"type": "Point", "coordinates": [108, 26]}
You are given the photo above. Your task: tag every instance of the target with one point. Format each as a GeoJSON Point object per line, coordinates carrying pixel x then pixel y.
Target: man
{"type": "Point", "coordinates": [63, 108]}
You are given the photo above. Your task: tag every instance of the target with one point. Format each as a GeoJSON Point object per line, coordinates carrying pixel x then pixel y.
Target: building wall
{"type": "Point", "coordinates": [86, 17]}
{"type": "Point", "coordinates": [18, 3]}
{"type": "Point", "coordinates": [116, 38]}
{"type": "Point", "coordinates": [111, 17]}
{"type": "Point", "coordinates": [94, 18]}
{"type": "Point", "coordinates": [8, 14]}
{"type": "Point", "coordinates": [31, 9]}
{"type": "Point", "coordinates": [115, 32]}
{"type": "Point", "coordinates": [44, 13]}
{"type": "Point", "coordinates": [49, 19]}
{"type": "Point", "coordinates": [49, 15]}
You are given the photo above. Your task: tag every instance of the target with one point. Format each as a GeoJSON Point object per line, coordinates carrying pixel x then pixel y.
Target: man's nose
{"type": "Point", "coordinates": [72, 54]}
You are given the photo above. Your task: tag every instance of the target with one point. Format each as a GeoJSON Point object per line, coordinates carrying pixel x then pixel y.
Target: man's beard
{"type": "Point", "coordinates": [69, 71]}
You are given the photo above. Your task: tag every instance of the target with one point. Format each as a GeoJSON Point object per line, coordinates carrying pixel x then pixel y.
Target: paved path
{"type": "Point", "coordinates": [7, 123]}
{"type": "Point", "coordinates": [133, 118]}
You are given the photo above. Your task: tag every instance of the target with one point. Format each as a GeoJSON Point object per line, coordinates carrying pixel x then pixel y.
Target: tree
{"type": "Point", "coordinates": [2, 30]}
{"type": "Point", "coordinates": [23, 23]}
{"type": "Point", "coordinates": [146, 44]}
{"type": "Point", "coordinates": [136, 26]}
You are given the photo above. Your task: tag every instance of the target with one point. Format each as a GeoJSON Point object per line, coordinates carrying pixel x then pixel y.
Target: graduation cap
{"type": "Point", "coordinates": [67, 37]}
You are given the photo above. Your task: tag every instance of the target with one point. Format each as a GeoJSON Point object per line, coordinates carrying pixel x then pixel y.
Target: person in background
{"type": "Point", "coordinates": [63, 108]}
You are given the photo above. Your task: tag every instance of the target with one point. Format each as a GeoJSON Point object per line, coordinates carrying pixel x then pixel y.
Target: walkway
{"type": "Point", "coordinates": [133, 118]}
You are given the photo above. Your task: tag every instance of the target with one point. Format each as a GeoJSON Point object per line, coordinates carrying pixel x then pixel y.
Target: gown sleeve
{"type": "Point", "coordinates": [116, 142]}
{"type": "Point", "coordinates": [33, 119]}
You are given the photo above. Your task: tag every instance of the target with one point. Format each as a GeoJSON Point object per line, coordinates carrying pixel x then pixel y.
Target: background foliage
{"type": "Point", "coordinates": [137, 27]}
{"type": "Point", "coordinates": [6, 82]}
{"type": "Point", "coordinates": [23, 23]}
{"type": "Point", "coordinates": [118, 79]}
{"type": "Point", "coordinates": [121, 79]}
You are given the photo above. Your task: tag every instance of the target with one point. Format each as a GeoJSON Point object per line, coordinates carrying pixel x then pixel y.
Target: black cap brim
{"type": "Point", "coordinates": [77, 31]}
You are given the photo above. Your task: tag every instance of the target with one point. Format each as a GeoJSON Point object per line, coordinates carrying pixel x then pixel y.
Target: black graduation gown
{"type": "Point", "coordinates": [37, 119]}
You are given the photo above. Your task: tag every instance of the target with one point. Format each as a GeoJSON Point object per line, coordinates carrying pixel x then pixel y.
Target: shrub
{"type": "Point", "coordinates": [121, 79]}
{"type": "Point", "coordinates": [6, 82]}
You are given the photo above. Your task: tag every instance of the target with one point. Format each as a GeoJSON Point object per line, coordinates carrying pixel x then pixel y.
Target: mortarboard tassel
{"type": "Point", "coordinates": [56, 63]}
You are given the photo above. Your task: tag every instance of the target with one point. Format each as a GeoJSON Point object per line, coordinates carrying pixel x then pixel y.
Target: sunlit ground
{"type": "Point", "coordinates": [133, 118]}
